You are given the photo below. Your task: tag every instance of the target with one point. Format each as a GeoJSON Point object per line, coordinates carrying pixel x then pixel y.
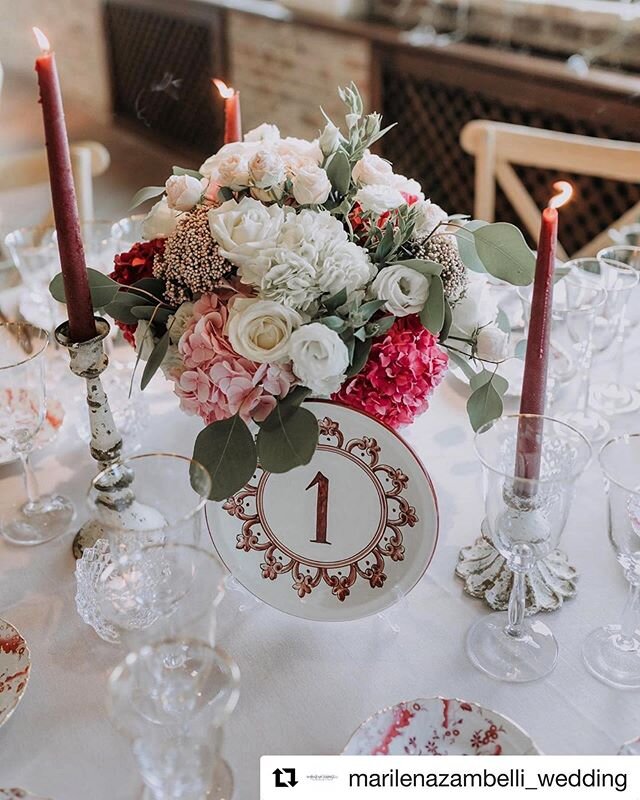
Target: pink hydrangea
{"type": "Point", "coordinates": [217, 383]}
{"type": "Point", "coordinates": [401, 372]}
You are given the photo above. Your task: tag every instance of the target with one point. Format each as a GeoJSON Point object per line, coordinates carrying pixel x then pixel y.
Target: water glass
{"type": "Point", "coordinates": [530, 465]}
{"type": "Point", "coordinates": [152, 498]}
{"type": "Point", "coordinates": [130, 231]}
{"type": "Point", "coordinates": [22, 409]}
{"type": "Point", "coordinates": [630, 256]}
{"type": "Point", "coordinates": [612, 653]}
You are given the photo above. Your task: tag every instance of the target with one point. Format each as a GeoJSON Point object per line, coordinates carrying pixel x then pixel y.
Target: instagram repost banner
{"type": "Point", "coordinates": [449, 777]}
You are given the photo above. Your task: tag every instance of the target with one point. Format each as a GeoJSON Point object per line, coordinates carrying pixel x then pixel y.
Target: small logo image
{"type": "Point", "coordinates": [285, 778]}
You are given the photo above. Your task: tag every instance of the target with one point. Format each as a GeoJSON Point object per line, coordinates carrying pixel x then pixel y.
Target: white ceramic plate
{"type": "Point", "coordinates": [53, 420]}
{"type": "Point", "coordinates": [341, 538]}
{"type": "Point", "coordinates": [15, 663]}
{"type": "Point", "coordinates": [439, 727]}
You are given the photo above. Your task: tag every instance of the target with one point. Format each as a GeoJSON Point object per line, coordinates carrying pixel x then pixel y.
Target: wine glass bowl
{"type": "Point", "coordinates": [528, 493]}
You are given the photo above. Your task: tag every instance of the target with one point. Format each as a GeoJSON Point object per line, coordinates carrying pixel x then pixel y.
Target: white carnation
{"type": "Point", "coordinates": [377, 198]}
{"type": "Point", "coordinates": [160, 222]}
{"type": "Point", "coordinates": [260, 330]}
{"type": "Point", "coordinates": [310, 184]}
{"type": "Point", "coordinates": [404, 290]}
{"type": "Point", "coordinates": [247, 233]}
{"type": "Point", "coordinates": [320, 358]}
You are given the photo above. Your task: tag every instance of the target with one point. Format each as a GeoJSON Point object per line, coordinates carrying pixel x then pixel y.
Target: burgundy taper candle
{"type": "Point", "coordinates": [534, 382]}
{"type": "Point", "coordinates": [63, 195]}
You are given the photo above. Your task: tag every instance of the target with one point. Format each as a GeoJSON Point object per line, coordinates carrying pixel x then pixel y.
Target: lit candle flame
{"type": "Point", "coordinates": [221, 86]}
{"type": "Point", "coordinates": [565, 193]}
{"type": "Point", "coordinates": [43, 42]}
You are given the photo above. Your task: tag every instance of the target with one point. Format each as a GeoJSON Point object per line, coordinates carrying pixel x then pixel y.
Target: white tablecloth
{"type": "Point", "coordinates": [305, 686]}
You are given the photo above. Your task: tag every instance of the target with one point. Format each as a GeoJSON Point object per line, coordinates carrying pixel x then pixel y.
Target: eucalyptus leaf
{"type": "Point", "coordinates": [432, 315]}
{"type": "Point", "coordinates": [154, 286]}
{"type": "Point", "coordinates": [339, 171]}
{"type": "Point", "coordinates": [367, 310]}
{"type": "Point", "coordinates": [291, 443]}
{"type": "Point", "coordinates": [484, 405]}
{"type": "Point", "coordinates": [336, 300]}
{"type": "Point", "coordinates": [103, 289]}
{"type": "Point", "coordinates": [226, 449]}
{"type": "Point", "coordinates": [504, 253]}
{"type": "Point", "coordinates": [463, 364]}
{"type": "Point", "coordinates": [155, 359]}
{"type": "Point", "coordinates": [335, 323]}
{"type": "Point", "coordinates": [500, 384]}
{"type": "Point", "coordinates": [448, 319]}
{"type": "Point", "coordinates": [121, 307]}
{"type": "Point", "coordinates": [145, 194]}
{"type": "Point", "coordinates": [424, 267]}
{"type": "Point", "coordinates": [467, 245]}
{"type": "Point", "coordinates": [359, 356]}
{"type": "Point", "coordinates": [158, 313]}
{"type": "Point", "coordinates": [192, 172]}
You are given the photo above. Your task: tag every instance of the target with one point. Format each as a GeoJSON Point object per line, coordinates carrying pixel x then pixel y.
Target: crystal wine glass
{"type": "Point", "coordinates": [525, 516]}
{"type": "Point", "coordinates": [620, 279]}
{"type": "Point", "coordinates": [612, 653]}
{"type": "Point", "coordinates": [630, 256]}
{"type": "Point", "coordinates": [22, 409]}
{"type": "Point", "coordinates": [174, 716]}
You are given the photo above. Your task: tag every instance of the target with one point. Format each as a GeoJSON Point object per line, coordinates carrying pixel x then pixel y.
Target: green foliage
{"type": "Point", "coordinates": [339, 171]}
{"type": "Point", "coordinates": [505, 254]}
{"type": "Point", "coordinates": [467, 245]}
{"type": "Point", "coordinates": [155, 359]}
{"type": "Point", "coordinates": [226, 449]}
{"type": "Point", "coordinates": [103, 289]}
{"type": "Point", "coordinates": [424, 267]}
{"type": "Point", "coordinates": [433, 313]}
{"type": "Point", "coordinates": [484, 405]}
{"type": "Point", "coordinates": [192, 172]}
{"type": "Point", "coordinates": [145, 194]}
{"type": "Point", "coordinates": [287, 438]}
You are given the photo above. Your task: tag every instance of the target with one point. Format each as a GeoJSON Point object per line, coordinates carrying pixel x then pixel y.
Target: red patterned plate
{"type": "Point", "coordinates": [439, 727]}
{"type": "Point", "coordinates": [15, 663]}
{"type": "Point", "coordinates": [341, 538]}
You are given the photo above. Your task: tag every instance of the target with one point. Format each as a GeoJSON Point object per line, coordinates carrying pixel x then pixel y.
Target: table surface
{"type": "Point", "coordinates": [305, 686]}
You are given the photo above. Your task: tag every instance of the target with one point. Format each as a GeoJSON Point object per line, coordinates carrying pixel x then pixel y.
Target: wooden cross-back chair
{"type": "Point", "coordinates": [497, 146]}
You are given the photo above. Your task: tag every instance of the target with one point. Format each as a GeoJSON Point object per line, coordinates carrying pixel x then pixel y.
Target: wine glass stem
{"type": "Point", "coordinates": [517, 601]}
{"type": "Point", "coordinates": [628, 639]}
{"type": "Point", "coordinates": [620, 352]}
{"type": "Point", "coordinates": [30, 481]}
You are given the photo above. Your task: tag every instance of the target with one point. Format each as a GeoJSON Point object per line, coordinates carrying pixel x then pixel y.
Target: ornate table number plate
{"type": "Point", "coordinates": [341, 538]}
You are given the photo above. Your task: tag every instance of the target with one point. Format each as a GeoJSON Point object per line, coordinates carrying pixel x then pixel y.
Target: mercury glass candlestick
{"type": "Point", "coordinates": [88, 360]}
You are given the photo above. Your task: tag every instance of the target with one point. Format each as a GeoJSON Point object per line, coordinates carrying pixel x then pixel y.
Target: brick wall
{"type": "Point", "coordinates": [285, 71]}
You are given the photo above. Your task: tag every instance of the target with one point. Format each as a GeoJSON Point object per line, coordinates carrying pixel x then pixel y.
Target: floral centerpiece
{"type": "Point", "coordinates": [285, 268]}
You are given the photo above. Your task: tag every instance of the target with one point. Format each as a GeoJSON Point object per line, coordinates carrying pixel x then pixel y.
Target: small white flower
{"type": "Point", "coordinates": [184, 191]}
{"type": "Point", "coordinates": [476, 309]}
{"type": "Point", "coordinates": [377, 198]}
{"type": "Point", "coordinates": [266, 169]}
{"type": "Point", "coordinates": [160, 222]}
{"type": "Point", "coordinates": [320, 358]}
{"type": "Point", "coordinates": [233, 172]}
{"type": "Point", "coordinates": [429, 216]}
{"type": "Point", "coordinates": [145, 341]}
{"type": "Point", "coordinates": [404, 290]}
{"type": "Point", "coordinates": [372, 170]}
{"type": "Point", "coordinates": [247, 233]}
{"type": "Point", "coordinates": [263, 133]}
{"type": "Point", "coordinates": [260, 330]}
{"type": "Point", "coordinates": [179, 322]}
{"type": "Point", "coordinates": [492, 343]}
{"type": "Point", "coordinates": [311, 186]}
{"type": "Point", "coordinates": [329, 139]}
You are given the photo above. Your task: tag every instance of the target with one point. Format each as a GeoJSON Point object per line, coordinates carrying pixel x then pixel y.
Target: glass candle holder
{"type": "Point", "coordinates": [525, 517]}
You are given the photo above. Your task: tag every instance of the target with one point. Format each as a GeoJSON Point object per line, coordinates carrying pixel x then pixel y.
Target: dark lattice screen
{"type": "Point", "coordinates": [426, 145]}
{"type": "Point", "coordinates": [161, 68]}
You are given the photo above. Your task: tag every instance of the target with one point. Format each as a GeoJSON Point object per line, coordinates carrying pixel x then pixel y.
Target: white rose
{"type": "Point", "coordinates": [179, 322]}
{"type": "Point", "coordinates": [260, 330]}
{"type": "Point", "coordinates": [233, 172]}
{"type": "Point", "coordinates": [243, 150]}
{"type": "Point", "coordinates": [492, 343]}
{"type": "Point", "coordinates": [263, 133]}
{"type": "Point", "coordinates": [296, 151]}
{"type": "Point", "coordinates": [429, 216]}
{"type": "Point", "coordinates": [266, 169]}
{"type": "Point", "coordinates": [329, 139]}
{"type": "Point", "coordinates": [372, 170]}
{"type": "Point", "coordinates": [476, 309]}
{"type": "Point", "coordinates": [407, 186]}
{"type": "Point", "coordinates": [246, 233]}
{"type": "Point", "coordinates": [160, 222]}
{"type": "Point", "coordinates": [404, 290]}
{"type": "Point", "coordinates": [184, 191]}
{"type": "Point", "coordinates": [144, 339]}
{"type": "Point", "coordinates": [378, 198]}
{"type": "Point", "coordinates": [311, 186]}
{"type": "Point", "coordinates": [320, 358]}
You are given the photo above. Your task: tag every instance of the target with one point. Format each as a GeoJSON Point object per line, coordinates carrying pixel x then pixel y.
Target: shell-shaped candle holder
{"type": "Point", "coordinates": [486, 575]}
